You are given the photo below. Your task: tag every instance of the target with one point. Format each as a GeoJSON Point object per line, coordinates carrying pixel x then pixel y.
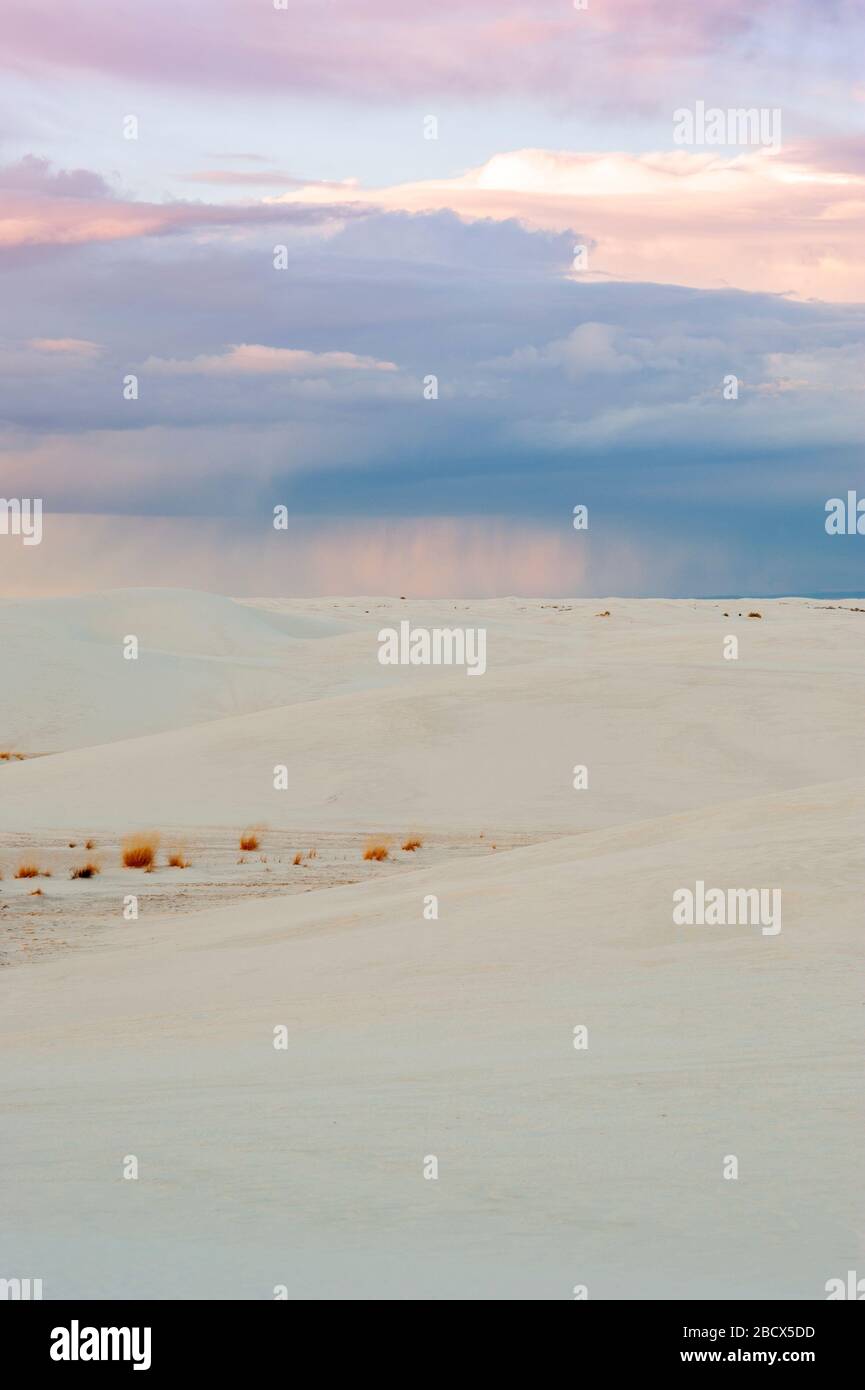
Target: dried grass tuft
{"type": "Point", "coordinates": [87, 870]}
{"type": "Point", "coordinates": [377, 852]}
{"type": "Point", "coordinates": [29, 871]}
{"type": "Point", "coordinates": [139, 851]}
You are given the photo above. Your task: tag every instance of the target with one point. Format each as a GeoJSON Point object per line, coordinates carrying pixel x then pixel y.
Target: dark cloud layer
{"type": "Point", "coordinates": [548, 387]}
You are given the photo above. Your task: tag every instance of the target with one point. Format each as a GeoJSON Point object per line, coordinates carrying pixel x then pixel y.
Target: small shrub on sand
{"type": "Point", "coordinates": [36, 892]}
{"type": "Point", "coordinates": [139, 851]}
{"type": "Point", "coordinates": [605, 614]}
{"type": "Point", "coordinates": [249, 840]}
{"type": "Point", "coordinates": [413, 842]}
{"type": "Point", "coordinates": [29, 871]}
{"type": "Point", "coordinates": [72, 844]}
{"type": "Point", "coordinates": [298, 858]}
{"type": "Point", "coordinates": [87, 870]}
{"type": "Point", "coordinates": [177, 860]}
{"type": "Point", "coordinates": [89, 844]}
{"type": "Point", "coordinates": [377, 852]}
{"type": "Point", "coordinates": [7, 757]}
{"type": "Point", "coordinates": [755, 615]}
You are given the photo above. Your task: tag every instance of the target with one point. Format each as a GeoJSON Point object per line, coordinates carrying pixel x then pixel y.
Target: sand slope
{"type": "Point", "coordinates": [454, 1038]}
{"type": "Point", "coordinates": [66, 682]}
{"type": "Point", "coordinates": [644, 699]}
{"type": "Point", "coordinates": [409, 1037]}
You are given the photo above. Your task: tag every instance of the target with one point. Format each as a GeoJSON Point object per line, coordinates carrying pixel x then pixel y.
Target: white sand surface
{"type": "Point", "coordinates": [453, 1037]}
{"type": "Point", "coordinates": [643, 698]}
{"type": "Point", "coordinates": [67, 684]}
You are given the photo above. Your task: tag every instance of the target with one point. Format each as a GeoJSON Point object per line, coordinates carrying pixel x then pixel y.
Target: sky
{"type": "Point", "coordinates": [283, 220]}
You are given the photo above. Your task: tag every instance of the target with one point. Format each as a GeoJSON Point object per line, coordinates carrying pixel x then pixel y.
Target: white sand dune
{"type": "Point", "coordinates": [66, 683]}
{"type": "Point", "coordinates": [453, 1038]}
{"type": "Point", "coordinates": [410, 1037]}
{"type": "Point", "coordinates": [643, 699]}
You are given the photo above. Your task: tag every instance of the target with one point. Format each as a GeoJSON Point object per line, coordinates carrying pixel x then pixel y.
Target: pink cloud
{"type": "Point", "coordinates": [66, 347]}
{"type": "Point", "coordinates": [255, 359]}
{"type": "Point", "coordinates": [46, 356]}
{"type": "Point", "coordinates": [784, 222]}
{"type": "Point", "coordinates": [787, 223]}
{"type": "Point", "coordinates": [386, 49]}
{"type": "Point", "coordinates": [40, 207]}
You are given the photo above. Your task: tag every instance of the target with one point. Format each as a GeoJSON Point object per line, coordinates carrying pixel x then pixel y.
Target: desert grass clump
{"type": "Point", "coordinates": [178, 860]}
{"type": "Point", "coordinates": [30, 871]}
{"type": "Point", "coordinates": [89, 844]}
{"type": "Point", "coordinates": [6, 757]}
{"type": "Point", "coordinates": [377, 852]}
{"type": "Point", "coordinates": [88, 870]}
{"type": "Point", "coordinates": [249, 840]}
{"type": "Point", "coordinates": [139, 851]}
{"type": "Point", "coordinates": [298, 858]}
{"type": "Point", "coordinates": [755, 615]}
{"type": "Point", "coordinates": [312, 854]}
{"type": "Point", "coordinates": [413, 842]}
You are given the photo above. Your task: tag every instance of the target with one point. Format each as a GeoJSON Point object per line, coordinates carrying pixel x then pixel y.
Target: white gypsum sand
{"type": "Point", "coordinates": [453, 1037]}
